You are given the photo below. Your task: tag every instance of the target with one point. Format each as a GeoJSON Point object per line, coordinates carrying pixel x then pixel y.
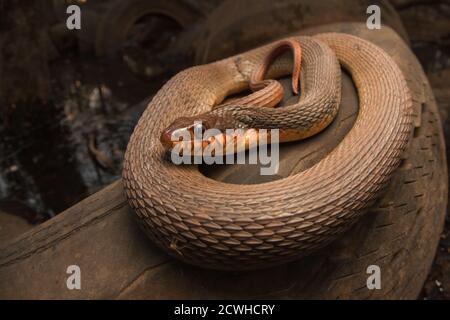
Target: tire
{"type": "Point", "coordinates": [401, 232]}
{"type": "Point", "coordinates": [229, 30]}
{"type": "Point", "coordinates": [112, 30]}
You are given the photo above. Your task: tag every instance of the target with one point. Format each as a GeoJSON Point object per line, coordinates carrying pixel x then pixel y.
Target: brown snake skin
{"type": "Point", "coordinates": [233, 227]}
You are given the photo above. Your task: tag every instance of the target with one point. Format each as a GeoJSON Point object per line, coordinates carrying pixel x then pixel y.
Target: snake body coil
{"type": "Point", "coordinates": [225, 226]}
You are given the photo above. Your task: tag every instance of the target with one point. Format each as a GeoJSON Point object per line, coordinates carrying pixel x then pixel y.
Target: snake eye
{"type": "Point", "coordinates": [199, 127]}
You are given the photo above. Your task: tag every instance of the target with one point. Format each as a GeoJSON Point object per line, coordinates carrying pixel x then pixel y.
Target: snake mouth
{"type": "Point", "coordinates": [214, 142]}
{"type": "Point", "coordinates": [185, 136]}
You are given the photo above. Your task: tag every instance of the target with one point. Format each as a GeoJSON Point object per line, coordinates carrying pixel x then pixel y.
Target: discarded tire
{"type": "Point", "coordinates": [117, 21]}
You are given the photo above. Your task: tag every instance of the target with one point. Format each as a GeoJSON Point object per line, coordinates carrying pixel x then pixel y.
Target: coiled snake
{"type": "Point", "coordinates": [225, 226]}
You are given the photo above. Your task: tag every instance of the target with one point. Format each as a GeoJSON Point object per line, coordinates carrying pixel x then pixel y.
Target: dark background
{"type": "Point", "coordinates": [69, 99]}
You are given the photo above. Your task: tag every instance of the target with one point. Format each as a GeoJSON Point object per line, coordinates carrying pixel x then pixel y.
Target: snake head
{"type": "Point", "coordinates": [186, 129]}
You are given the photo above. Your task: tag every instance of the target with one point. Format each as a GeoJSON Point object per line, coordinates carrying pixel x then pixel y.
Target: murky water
{"type": "Point", "coordinates": [53, 155]}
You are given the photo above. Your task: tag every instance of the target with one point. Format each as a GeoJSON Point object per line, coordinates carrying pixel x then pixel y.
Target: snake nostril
{"type": "Point", "coordinates": [166, 139]}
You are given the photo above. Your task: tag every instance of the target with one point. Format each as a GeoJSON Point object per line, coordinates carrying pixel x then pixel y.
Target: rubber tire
{"type": "Point", "coordinates": [229, 30]}
{"type": "Point", "coordinates": [112, 30]}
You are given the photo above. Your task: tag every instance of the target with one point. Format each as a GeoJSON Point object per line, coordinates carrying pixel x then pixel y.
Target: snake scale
{"type": "Point", "coordinates": [234, 227]}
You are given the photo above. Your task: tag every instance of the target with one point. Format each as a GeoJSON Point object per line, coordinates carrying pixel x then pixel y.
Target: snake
{"type": "Point", "coordinates": [226, 226]}
{"type": "Point", "coordinates": [266, 93]}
